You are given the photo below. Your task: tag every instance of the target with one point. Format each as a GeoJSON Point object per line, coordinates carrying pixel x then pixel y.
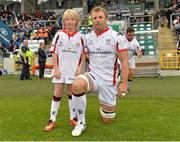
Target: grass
{"type": "Point", "coordinates": [150, 112]}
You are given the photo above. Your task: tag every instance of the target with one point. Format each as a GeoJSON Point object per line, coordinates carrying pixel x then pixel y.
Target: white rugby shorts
{"type": "Point", "coordinates": [63, 80]}
{"type": "Point", "coordinates": [106, 93]}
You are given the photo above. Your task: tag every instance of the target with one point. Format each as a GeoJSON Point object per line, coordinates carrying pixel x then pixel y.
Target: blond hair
{"type": "Point", "coordinates": [73, 14]}
{"type": "Point", "coordinates": [99, 8]}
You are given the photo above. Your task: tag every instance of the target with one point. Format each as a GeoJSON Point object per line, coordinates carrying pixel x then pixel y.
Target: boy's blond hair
{"type": "Point", "coordinates": [73, 14]}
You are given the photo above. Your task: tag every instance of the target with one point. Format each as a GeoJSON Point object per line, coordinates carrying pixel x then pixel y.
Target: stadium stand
{"type": "Point", "coordinates": [148, 64]}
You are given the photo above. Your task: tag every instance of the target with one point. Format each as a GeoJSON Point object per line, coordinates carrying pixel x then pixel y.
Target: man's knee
{"type": "Point", "coordinates": [80, 85]}
{"type": "Point", "coordinates": [107, 120]}
{"type": "Point", "coordinates": [107, 116]}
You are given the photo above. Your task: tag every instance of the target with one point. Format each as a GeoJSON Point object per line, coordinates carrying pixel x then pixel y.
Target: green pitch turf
{"type": "Point", "coordinates": [150, 112]}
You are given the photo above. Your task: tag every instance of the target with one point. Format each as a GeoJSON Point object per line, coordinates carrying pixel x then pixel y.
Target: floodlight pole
{"type": "Point", "coordinates": [156, 4]}
{"type": "Point", "coordinates": [22, 6]}
{"type": "Point", "coordinates": [85, 7]}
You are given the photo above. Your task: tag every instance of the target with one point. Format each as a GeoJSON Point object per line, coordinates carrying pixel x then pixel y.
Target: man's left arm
{"type": "Point", "coordinates": [123, 57]}
{"type": "Point", "coordinates": [138, 50]}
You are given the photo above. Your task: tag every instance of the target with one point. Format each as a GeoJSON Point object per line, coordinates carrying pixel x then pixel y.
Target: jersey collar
{"type": "Point", "coordinates": [69, 34]}
{"type": "Point", "coordinates": [100, 33]}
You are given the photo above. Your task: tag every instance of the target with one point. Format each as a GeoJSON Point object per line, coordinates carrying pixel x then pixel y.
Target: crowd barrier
{"type": "Point", "coordinates": [170, 59]}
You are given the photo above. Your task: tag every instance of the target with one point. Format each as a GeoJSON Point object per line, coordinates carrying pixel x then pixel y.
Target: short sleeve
{"type": "Point", "coordinates": [121, 45]}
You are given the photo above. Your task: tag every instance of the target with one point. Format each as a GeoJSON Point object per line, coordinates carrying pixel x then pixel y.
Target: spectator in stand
{"type": "Point", "coordinates": [26, 57]}
{"type": "Point", "coordinates": [168, 15]}
{"type": "Point", "coordinates": [162, 15]}
{"type": "Point", "coordinates": [178, 48]}
{"type": "Point", "coordinates": [156, 20]}
{"type": "Point", "coordinates": [177, 24]}
{"type": "Point", "coordinates": [146, 18]}
{"type": "Point", "coordinates": [2, 48]}
{"type": "Point", "coordinates": [41, 59]}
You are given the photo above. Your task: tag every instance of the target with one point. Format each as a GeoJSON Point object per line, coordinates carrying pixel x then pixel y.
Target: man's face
{"type": "Point", "coordinates": [42, 45]}
{"type": "Point", "coordinates": [25, 43]}
{"type": "Point", "coordinates": [130, 36]}
{"type": "Point", "coordinates": [99, 20]}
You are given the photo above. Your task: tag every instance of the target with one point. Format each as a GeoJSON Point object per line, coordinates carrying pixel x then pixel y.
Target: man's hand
{"type": "Point", "coordinates": [122, 89]}
{"type": "Point", "coordinates": [56, 73]}
{"type": "Point", "coordinates": [138, 53]}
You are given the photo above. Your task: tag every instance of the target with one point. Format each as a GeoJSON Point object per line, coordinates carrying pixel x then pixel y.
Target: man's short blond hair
{"type": "Point", "coordinates": [73, 14]}
{"type": "Point", "coordinates": [99, 8]}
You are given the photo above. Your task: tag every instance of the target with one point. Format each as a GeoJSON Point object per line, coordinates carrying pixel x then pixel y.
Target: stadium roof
{"type": "Point", "coordinates": [39, 1]}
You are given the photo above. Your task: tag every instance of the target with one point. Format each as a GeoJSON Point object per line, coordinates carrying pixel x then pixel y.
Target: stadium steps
{"type": "Point", "coordinates": [166, 39]}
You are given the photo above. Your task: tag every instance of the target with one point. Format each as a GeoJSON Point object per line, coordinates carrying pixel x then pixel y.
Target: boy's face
{"type": "Point", "coordinates": [70, 23]}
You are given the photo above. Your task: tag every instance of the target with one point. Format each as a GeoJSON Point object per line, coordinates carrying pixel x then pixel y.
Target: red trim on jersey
{"type": "Point", "coordinates": [122, 50]}
{"type": "Point", "coordinates": [80, 60]}
{"type": "Point", "coordinates": [114, 72]}
{"type": "Point", "coordinates": [99, 33]}
{"type": "Point", "coordinates": [55, 44]}
{"type": "Point", "coordinates": [88, 62]}
{"type": "Point", "coordinates": [68, 33]}
{"type": "Point", "coordinates": [57, 60]}
{"type": "Point", "coordinates": [83, 45]}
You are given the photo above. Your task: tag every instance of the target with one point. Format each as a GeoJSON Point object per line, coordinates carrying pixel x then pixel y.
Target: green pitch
{"type": "Point", "coordinates": [150, 112]}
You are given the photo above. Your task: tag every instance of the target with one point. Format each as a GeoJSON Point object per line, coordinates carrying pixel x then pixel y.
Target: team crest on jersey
{"type": "Point", "coordinates": [60, 43]}
{"type": "Point", "coordinates": [108, 41]}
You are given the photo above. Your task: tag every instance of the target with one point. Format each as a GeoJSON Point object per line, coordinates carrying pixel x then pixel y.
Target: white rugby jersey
{"type": "Point", "coordinates": [69, 48]}
{"type": "Point", "coordinates": [133, 46]}
{"type": "Point", "coordinates": [103, 50]}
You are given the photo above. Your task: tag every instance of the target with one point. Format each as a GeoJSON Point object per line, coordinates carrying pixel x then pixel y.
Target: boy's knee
{"type": "Point", "coordinates": [79, 86]}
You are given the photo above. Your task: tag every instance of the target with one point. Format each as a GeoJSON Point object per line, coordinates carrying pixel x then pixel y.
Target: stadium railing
{"type": "Point", "coordinates": [170, 59]}
{"type": "Point", "coordinates": [114, 26]}
{"type": "Point", "coordinates": [140, 24]}
{"type": "Point", "coordinates": [43, 23]}
{"type": "Point", "coordinates": [34, 44]}
{"type": "Point", "coordinates": [131, 7]}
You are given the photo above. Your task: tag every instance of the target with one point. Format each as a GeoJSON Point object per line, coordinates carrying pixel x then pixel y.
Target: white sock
{"type": "Point", "coordinates": [80, 107]}
{"type": "Point", "coordinates": [54, 110]}
{"type": "Point", "coordinates": [72, 110]}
